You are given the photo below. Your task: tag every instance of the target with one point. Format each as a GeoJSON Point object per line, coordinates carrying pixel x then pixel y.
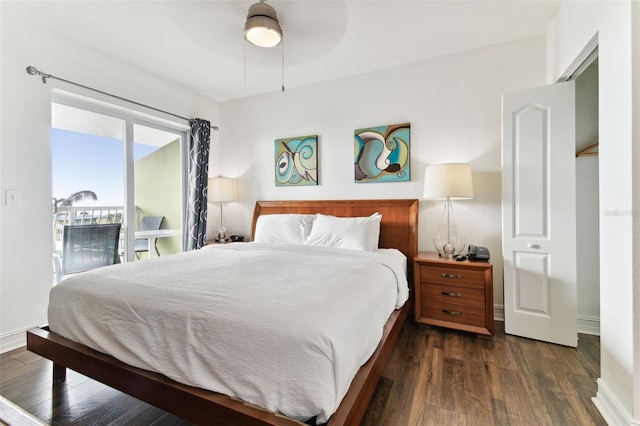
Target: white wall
{"type": "Point", "coordinates": [575, 25]}
{"type": "Point", "coordinates": [635, 53]}
{"type": "Point", "coordinates": [25, 163]}
{"type": "Point", "coordinates": [453, 104]}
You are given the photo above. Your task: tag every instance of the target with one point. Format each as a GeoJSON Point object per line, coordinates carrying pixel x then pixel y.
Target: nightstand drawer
{"type": "Point", "coordinates": [442, 294]}
{"type": "Point", "coordinates": [454, 313]}
{"type": "Point", "coordinates": [452, 276]}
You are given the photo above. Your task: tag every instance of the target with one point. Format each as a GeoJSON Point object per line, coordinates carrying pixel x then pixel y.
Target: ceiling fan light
{"type": "Point", "coordinates": [263, 32]}
{"type": "Point", "coordinates": [262, 28]}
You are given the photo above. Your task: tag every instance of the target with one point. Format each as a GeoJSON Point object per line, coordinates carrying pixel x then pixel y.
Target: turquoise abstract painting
{"type": "Point", "coordinates": [296, 161]}
{"type": "Point", "coordinates": [382, 154]}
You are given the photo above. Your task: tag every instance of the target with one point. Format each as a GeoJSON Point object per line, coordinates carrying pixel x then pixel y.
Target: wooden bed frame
{"type": "Point", "coordinates": [399, 229]}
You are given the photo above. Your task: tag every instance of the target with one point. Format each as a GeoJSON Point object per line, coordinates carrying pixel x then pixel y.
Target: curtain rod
{"type": "Point", "coordinates": [34, 71]}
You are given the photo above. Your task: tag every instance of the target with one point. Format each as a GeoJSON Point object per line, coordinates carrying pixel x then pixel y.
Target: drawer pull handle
{"type": "Point", "coordinates": [451, 275]}
{"type": "Point", "coordinates": [448, 293]}
{"type": "Point", "coordinates": [447, 311]}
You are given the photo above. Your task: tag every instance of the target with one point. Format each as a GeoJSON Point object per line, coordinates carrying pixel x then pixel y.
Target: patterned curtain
{"type": "Point", "coordinates": [196, 214]}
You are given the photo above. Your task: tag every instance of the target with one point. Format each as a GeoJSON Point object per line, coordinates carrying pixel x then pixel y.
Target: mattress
{"type": "Point", "coordinates": [283, 327]}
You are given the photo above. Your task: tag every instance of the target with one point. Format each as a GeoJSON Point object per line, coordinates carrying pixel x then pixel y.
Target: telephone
{"type": "Point", "coordinates": [478, 253]}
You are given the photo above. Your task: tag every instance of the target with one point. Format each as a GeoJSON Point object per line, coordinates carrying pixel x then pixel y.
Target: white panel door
{"type": "Point", "coordinates": [538, 213]}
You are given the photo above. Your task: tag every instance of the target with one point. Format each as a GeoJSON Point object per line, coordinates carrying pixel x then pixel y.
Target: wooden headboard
{"type": "Point", "coordinates": [398, 227]}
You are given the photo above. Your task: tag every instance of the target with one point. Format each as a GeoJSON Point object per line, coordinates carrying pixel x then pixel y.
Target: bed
{"type": "Point", "coordinates": [398, 230]}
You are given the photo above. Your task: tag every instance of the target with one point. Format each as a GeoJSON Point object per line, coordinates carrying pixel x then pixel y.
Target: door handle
{"type": "Point", "coordinates": [533, 246]}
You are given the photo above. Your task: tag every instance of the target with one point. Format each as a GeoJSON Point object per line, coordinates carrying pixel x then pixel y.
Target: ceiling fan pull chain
{"type": "Point", "coordinates": [282, 64]}
{"type": "Point", "coordinates": [244, 60]}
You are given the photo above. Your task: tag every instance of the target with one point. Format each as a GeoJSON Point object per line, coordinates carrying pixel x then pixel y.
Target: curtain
{"type": "Point", "coordinates": [198, 168]}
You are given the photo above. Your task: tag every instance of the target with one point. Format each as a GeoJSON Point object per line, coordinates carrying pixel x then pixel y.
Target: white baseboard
{"type": "Point", "coordinates": [586, 325]}
{"type": "Point", "coordinates": [13, 340]}
{"type": "Point", "coordinates": [589, 325]}
{"type": "Point", "coordinates": [498, 312]}
{"type": "Point", "coordinates": [610, 408]}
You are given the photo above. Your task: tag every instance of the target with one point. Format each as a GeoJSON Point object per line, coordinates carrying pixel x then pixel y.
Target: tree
{"type": "Point", "coordinates": [74, 198]}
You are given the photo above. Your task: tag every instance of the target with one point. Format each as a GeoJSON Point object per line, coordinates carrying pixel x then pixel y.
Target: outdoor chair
{"type": "Point", "coordinates": [86, 247]}
{"type": "Point", "coordinates": [148, 223]}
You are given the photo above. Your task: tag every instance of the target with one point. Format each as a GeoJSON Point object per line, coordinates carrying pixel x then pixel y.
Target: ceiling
{"type": "Point", "coordinates": [199, 44]}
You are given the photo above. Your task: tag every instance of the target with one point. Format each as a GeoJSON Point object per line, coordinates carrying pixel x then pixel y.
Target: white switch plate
{"type": "Point", "coordinates": [13, 197]}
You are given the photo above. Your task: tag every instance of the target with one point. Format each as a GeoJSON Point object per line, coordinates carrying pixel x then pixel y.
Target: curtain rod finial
{"type": "Point", "coordinates": [34, 71]}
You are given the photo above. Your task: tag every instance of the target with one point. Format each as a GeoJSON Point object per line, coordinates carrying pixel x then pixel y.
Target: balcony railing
{"type": "Point", "coordinates": [84, 216]}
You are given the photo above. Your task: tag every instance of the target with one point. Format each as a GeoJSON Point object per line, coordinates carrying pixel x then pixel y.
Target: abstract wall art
{"type": "Point", "coordinates": [296, 161]}
{"type": "Point", "coordinates": [382, 154]}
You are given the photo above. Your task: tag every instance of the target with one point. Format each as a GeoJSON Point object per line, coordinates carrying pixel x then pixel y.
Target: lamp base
{"type": "Point", "coordinates": [222, 236]}
{"type": "Point", "coordinates": [448, 250]}
{"type": "Point", "coordinates": [448, 238]}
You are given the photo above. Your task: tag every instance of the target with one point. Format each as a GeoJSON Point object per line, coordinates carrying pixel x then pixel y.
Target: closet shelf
{"type": "Point", "coordinates": [589, 151]}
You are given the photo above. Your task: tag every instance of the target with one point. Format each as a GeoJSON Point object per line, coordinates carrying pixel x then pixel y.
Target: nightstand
{"type": "Point", "coordinates": [453, 294]}
{"type": "Point", "coordinates": [227, 241]}
{"type": "Point", "coordinates": [213, 241]}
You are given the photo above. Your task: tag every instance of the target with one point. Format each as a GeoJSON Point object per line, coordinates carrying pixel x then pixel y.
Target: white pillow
{"type": "Point", "coordinates": [283, 228]}
{"type": "Point", "coordinates": [354, 233]}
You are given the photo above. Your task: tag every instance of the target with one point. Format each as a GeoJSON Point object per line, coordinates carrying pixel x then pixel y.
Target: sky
{"type": "Point", "coordinates": [81, 161]}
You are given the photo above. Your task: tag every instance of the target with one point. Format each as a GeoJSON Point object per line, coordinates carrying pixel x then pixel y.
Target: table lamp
{"type": "Point", "coordinates": [221, 190]}
{"type": "Point", "coordinates": [450, 181]}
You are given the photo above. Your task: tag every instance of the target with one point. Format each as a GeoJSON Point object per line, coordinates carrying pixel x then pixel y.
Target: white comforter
{"type": "Point", "coordinates": [283, 327]}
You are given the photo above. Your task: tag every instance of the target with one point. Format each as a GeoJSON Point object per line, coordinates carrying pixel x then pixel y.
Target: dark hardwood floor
{"type": "Point", "coordinates": [434, 377]}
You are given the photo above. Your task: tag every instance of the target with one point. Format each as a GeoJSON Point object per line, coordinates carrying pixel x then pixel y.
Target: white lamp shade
{"type": "Point", "coordinates": [450, 181]}
{"type": "Point", "coordinates": [221, 190]}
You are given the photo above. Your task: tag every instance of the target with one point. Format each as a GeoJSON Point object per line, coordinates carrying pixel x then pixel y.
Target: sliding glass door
{"type": "Point", "coordinates": [157, 190]}
{"type": "Point", "coordinates": [114, 166]}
